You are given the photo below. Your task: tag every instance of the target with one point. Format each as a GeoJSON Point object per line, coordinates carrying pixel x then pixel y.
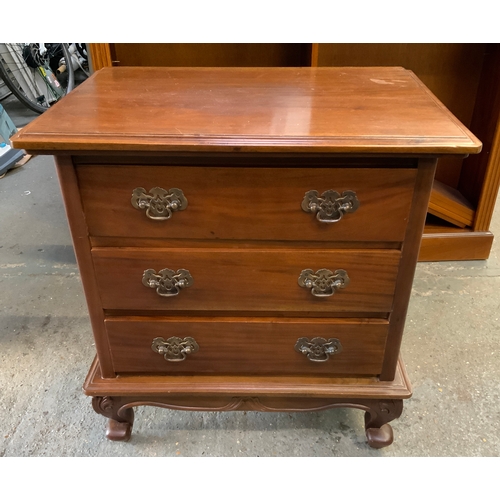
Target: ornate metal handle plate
{"type": "Point", "coordinates": [318, 349]}
{"type": "Point", "coordinates": [167, 282]}
{"type": "Point", "coordinates": [323, 283]}
{"type": "Point", "coordinates": [159, 203]}
{"type": "Point", "coordinates": [330, 206]}
{"type": "Point", "coordinates": [175, 349]}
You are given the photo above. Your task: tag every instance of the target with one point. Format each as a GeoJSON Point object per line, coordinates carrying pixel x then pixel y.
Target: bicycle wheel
{"type": "Point", "coordinates": [18, 69]}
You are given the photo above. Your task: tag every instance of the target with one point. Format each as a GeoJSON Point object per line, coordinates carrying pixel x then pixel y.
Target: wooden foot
{"type": "Point", "coordinates": [380, 438]}
{"type": "Point", "coordinates": [118, 431]}
{"type": "Point", "coordinates": [379, 433]}
{"type": "Point", "coordinates": [121, 418]}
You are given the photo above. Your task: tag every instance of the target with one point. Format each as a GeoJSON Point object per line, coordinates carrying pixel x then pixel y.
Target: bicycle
{"type": "Point", "coordinates": [40, 74]}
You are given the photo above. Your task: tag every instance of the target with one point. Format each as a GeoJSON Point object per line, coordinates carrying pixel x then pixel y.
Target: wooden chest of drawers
{"type": "Point", "coordinates": [247, 238]}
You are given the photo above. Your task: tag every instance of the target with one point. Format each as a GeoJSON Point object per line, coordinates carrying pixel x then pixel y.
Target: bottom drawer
{"type": "Point", "coordinates": [247, 345]}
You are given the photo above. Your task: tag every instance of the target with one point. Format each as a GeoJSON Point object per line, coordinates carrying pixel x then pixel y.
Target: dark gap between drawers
{"type": "Point", "coordinates": [243, 314]}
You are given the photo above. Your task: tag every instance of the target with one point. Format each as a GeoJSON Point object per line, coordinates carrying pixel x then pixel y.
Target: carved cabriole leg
{"type": "Point", "coordinates": [378, 431]}
{"type": "Point", "coordinates": [120, 419]}
{"type": "Point", "coordinates": [378, 412]}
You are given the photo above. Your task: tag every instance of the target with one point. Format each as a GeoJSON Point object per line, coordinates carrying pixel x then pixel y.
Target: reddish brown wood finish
{"type": "Point", "coordinates": [79, 234]}
{"type": "Point", "coordinates": [118, 241]}
{"type": "Point", "coordinates": [464, 76]}
{"type": "Point", "coordinates": [249, 280]}
{"type": "Point", "coordinates": [409, 258]}
{"type": "Point", "coordinates": [246, 144]}
{"type": "Point", "coordinates": [452, 246]}
{"type": "Point", "coordinates": [489, 192]}
{"type": "Point", "coordinates": [480, 174]}
{"type": "Point", "coordinates": [335, 110]}
{"type": "Point", "coordinates": [382, 401]}
{"type": "Point", "coordinates": [211, 54]}
{"type": "Point", "coordinates": [247, 203]}
{"type": "Point", "coordinates": [289, 387]}
{"type": "Point", "coordinates": [450, 205]}
{"type": "Point", "coordinates": [247, 345]}
{"type": "Point", "coordinates": [120, 419]}
{"type": "Point", "coordinates": [120, 413]}
{"type": "Point", "coordinates": [100, 55]}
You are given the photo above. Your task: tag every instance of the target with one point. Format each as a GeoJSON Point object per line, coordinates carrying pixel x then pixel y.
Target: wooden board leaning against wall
{"type": "Point", "coordinates": [465, 77]}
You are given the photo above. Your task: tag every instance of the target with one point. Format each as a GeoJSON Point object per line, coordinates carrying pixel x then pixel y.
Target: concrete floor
{"type": "Point", "coordinates": [450, 347]}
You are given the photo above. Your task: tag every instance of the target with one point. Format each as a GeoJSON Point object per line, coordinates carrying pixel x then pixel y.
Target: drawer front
{"type": "Point", "coordinates": [246, 345]}
{"type": "Point", "coordinates": [247, 280]}
{"type": "Point", "coordinates": [247, 203]}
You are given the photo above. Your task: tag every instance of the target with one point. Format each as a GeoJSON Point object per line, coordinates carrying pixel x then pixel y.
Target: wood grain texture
{"type": "Point", "coordinates": [243, 159]}
{"type": "Point", "coordinates": [100, 55]}
{"type": "Point", "coordinates": [245, 307]}
{"type": "Point", "coordinates": [247, 345]}
{"type": "Point", "coordinates": [212, 54]}
{"type": "Point", "coordinates": [490, 186]}
{"type": "Point", "coordinates": [250, 109]}
{"type": "Point", "coordinates": [465, 77]}
{"type": "Point", "coordinates": [469, 245]}
{"type": "Point", "coordinates": [230, 403]}
{"type": "Point", "coordinates": [120, 413]}
{"type": "Point", "coordinates": [409, 256]}
{"type": "Point", "coordinates": [120, 241]}
{"type": "Point", "coordinates": [479, 174]}
{"type": "Point", "coordinates": [452, 71]}
{"type": "Point", "coordinates": [247, 203]}
{"type": "Point", "coordinates": [249, 280]}
{"type": "Point", "coordinates": [79, 235]}
{"type": "Point", "coordinates": [314, 54]}
{"type": "Point", "coordinates": [253, 386]}
{"type": "Point", "coordinates": [119, 410]}
{"type": "Point", "coordinates": [364, 129]}
{"type": "Point", "coordinates": [450, 205]}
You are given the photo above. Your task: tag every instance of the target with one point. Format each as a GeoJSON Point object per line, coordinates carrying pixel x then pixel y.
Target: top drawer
{"type": "Point", "coordinates": [236, 203]}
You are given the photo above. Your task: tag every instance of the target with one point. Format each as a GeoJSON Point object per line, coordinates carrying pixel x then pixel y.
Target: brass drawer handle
{"type": "Point", "coordinates": [330, 206]}
{"type": "Point", "coordinates": [167, 282]}
{"type": "Point", "coordinates": [175, 349]}
{"type": "Point", "coordinates": [159, 203]}
{"type": "Point", "coordinates": [323, 283]}
{"type": "Point", "coordinates": [318, 349]}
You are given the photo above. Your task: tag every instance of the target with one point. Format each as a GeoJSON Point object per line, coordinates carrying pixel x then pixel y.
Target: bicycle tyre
{"type": "Point", "coordinates": [7, 75]}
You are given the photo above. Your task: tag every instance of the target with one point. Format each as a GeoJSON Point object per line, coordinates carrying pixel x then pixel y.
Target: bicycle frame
{"type": "Point", "coordinates": [20, 72]}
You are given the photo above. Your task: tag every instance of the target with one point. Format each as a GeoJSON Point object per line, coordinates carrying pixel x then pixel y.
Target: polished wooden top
{"type": "Point", "coordinates": [324, 110]}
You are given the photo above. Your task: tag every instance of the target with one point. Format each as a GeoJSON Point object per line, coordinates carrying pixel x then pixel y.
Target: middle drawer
{"type": "Point", "coordinates": [232, 279]}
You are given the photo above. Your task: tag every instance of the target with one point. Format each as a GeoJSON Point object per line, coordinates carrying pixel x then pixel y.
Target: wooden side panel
{"type": "Point", "coordinates": [100, 55]}
{"type": "Point", "coordinates": [409, 257]}
{"type": "Point", "coordinates": [314, 54]}
{"type": "Point", "coordinates": [246, 280]}
{"type": "Point", "coordinates": [212, 54]}
{"type": "Point", "coordinates": [489, 190]}
{"type": "Point", "coordinates": [81, 243]}
{"type": "Point", "coordinates": [484, 124]}
{"type": "Point", "coordinates": [247, 345]}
